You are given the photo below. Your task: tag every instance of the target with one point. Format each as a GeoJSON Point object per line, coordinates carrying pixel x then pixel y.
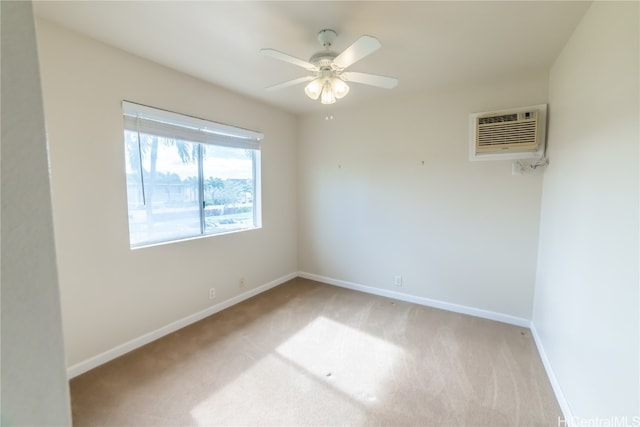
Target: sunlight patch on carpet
{"type": "Point", "coordinates": [358, 364]}
{"type": "Point", "coordinates": [346, 371]}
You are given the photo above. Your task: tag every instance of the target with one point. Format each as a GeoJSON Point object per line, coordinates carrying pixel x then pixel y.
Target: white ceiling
{"type": "Point", "coordinates": [425, 44]}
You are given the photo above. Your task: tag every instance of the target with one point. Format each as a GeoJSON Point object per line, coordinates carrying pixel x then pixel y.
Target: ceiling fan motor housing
{"type": "Point", "coordinates": [323, 59]}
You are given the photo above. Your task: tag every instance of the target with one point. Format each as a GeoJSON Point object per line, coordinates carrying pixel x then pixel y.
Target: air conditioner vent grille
{"type": "Point", "coordinates": [521, 133]}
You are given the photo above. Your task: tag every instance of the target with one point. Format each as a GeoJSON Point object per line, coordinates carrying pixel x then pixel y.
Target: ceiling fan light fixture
{"type": "Point", "coordinates": [314, 89]}
{"type": "Point", "coordinates": [327, 96]}
{"type": "Point", "coordinates": [340, 88]}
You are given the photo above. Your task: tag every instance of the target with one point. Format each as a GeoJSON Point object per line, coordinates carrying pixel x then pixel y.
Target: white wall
{"type": "Point", "coordinates": [33, 378]}
{"type": "Point", "coordinates": [111, 294]}
{"type": "Point", "coordinates": [586, 301]}
{"type": "Point", "coordinates": [457, 231]}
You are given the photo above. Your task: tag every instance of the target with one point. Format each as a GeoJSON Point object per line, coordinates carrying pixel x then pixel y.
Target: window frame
{"type": "Point", "coordinates": [143, 119]}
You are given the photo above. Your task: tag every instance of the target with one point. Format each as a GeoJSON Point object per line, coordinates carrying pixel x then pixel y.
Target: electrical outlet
{"type": "Point", "coordinates": [397, 281]}
{"type": "Point", "coordinates": [241, 283]}
{"type": "Point", "coordinates": [212, 293]}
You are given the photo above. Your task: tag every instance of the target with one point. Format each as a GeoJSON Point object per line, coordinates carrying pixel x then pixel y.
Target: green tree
{"type": "Point", "coordinates": [140, 146]}
{"type": "Point", "coordinates": [211, 185]}
{"type": "Point", "coordinates": [247, 190]}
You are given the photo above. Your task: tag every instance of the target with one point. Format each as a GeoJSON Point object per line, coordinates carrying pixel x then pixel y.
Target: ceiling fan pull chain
{"type": "Point", "coordinates": [328, 116]}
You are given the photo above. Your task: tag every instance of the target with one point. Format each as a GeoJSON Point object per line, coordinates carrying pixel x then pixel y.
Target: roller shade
{"type": "Point", "coordinates": [149, 120]}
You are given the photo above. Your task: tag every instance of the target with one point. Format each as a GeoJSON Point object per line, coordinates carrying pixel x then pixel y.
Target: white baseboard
{"type": "Point", "coordinates": [569, 419]}
{"type": "Point", "coordinates": [457, 308]}
{"type": "Point", "coordinates": [95, 361]}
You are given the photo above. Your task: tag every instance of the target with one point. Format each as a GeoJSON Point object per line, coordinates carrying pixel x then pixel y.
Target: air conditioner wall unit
{"type": "Point", "coordinates": [518, 133]}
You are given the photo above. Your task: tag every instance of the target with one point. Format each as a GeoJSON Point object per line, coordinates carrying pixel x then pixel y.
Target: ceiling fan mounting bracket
{"type": "Point", "coordinates": [326, 37]}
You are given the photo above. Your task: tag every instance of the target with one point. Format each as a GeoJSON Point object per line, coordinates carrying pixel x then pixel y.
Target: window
{"type": "Point", "coordinates": [188, 177]}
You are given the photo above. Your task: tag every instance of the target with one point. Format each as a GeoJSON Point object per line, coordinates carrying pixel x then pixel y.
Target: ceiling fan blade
{"type": "Point", "coordinates": [291, 82]}
{"type": "Point", "coordinates": [288, 58]}
{"type": "Point", "coordinates": [370, 79]}
{"type": "Point", "coordinates": [362, 47]}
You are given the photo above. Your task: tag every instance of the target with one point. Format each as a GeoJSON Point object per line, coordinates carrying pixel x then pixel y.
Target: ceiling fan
{"type": "Point", "coordinates": [328, 76]}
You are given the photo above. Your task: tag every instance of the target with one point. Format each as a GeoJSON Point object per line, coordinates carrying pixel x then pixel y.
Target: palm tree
{"type": "Point", "coordinates": [212, 184]}
{"type": "Point", "coordinates": [138, 146]}
{"type": "Point", "coordinates": [247, 189]}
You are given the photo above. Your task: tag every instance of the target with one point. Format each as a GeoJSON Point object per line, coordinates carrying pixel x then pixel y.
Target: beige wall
{"type": "Point", "coordinates": [111, 294]}
{"type": "Point", "coordinates": [587, 299]}
{"type": "Point", "coordinates": [33, 376]}
{"type": "Point", "coordinates": [387, 189]}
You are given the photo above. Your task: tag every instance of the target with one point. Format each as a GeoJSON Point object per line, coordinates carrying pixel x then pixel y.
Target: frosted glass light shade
{"type": "Point", "coordinates": [340, 88]}
{"type": "Point", "coordinates": [314, 89]}
{"type": "Point", "coordinates": [327, 96]}
{"type": "Point", "coordinates": [327, 88]}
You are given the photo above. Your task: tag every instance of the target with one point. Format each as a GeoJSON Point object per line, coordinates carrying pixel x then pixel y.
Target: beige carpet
{"type": "Point", "coordinates": [307, 353]}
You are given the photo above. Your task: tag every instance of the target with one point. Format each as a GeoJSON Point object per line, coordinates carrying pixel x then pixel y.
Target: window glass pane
{"type": "Point", "coordinates": [229, 188]}
{"type": "Point", "coordinates": [162, 188]}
